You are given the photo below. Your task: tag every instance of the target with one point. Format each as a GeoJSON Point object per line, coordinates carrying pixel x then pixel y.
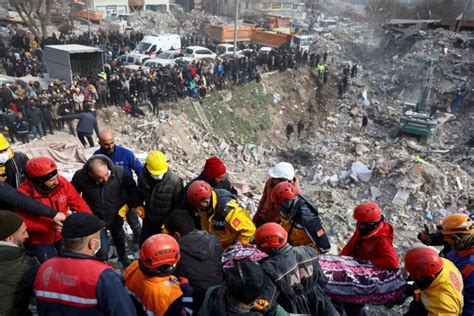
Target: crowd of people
{"type": "Point", "coordinates": [199, 249]}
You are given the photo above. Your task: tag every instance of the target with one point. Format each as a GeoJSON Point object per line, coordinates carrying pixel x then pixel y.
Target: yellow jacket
{"type": "Point", "coordinates": [227, 219]}
{"type": "Point", "coordinates": [444, 296]}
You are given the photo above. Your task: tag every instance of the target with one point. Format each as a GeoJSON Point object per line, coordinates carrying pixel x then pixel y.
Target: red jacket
{"type": "Point", "coordinates": [267, 210]}
{"type": "Point", "coordinates": [42, 230]}
{"type": "Point", "coordinates": [377, 247]}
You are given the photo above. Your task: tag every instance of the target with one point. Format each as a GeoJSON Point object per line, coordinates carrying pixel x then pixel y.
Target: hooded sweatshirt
{"type": "Point", "coordinates": [200, 260]}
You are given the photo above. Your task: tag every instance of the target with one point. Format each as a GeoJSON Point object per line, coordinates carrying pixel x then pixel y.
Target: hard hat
{"type": "Point", "coordinates": [156, 163]}
{"type": "Point", "coordinates": [271, 235]}
{"type": "Point", "coordinates": [456, 224]}
{"type": "Point", "coordinates": [423, 262]}
{"type": "Point", "coordinates": [4, 144]}
{"type": "Point", "coordinates": [159, 250]}
{"type": "Point", "coordinates": [283, 191]}
{"type": "Point", "coordinates": [282, 170]}
{"type": "Point", "coordinates": [369, 212]}
{"type": "Point", "coordinates": [197, 191]}
{"type": "Point", "coordinates": [39, 167]}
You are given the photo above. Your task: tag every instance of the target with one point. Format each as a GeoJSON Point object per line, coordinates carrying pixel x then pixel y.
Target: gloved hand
{"type": "Point", "coordinates": [123, 211]}
{"type": "Point", "coordinates": [140, 211]}
{"type": "Point", "coordinates": [261, 305]}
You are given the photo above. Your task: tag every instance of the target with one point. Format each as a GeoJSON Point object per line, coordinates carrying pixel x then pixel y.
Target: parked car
{"type": "Point", "coordinates": [133, 59]}
{"type": "Point", "coordinates": [199, 52]}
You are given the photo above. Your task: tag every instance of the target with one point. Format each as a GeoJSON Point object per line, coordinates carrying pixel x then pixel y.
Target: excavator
{"type": "Point", "coordinates": [414, 119]}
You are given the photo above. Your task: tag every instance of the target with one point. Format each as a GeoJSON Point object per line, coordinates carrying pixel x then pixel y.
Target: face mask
{"type": "Point", "coordinates": [4, 157]}
{"type": "Point", "coordinates": [157, 178]}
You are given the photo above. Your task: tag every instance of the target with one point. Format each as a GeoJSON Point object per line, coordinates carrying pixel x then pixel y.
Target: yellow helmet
{"type": "Point", "coordinates": [156, 163]}
{"type": "Point", "coordinates": [456, 224]}
{"type": "Point", "coordinates": [4, 144]}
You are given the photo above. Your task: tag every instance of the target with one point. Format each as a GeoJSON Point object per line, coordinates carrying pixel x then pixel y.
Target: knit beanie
{"type": "Point", "coordinates": [9, 223]}
{"type": "Point", "coordinates": [213, 168]}
{"type": "Point", "coordinates": [245, 281]}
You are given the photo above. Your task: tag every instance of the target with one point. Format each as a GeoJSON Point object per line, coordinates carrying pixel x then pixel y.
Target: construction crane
{"type": "Point", "coordinates": [414, 119]}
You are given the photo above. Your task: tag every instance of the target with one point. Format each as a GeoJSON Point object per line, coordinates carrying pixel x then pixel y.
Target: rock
{"type": "Point", "coordinates": [361, 172]}
{"type": "Point", "coordinates": [361, 149]}
{"type": "Point", "coordinates": [375, 192]}
{"type": "Point", "coordinates": [413, 145]}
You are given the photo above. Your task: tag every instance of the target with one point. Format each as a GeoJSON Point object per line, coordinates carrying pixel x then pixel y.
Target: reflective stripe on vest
{"type": "Point", "coordinates": [468, 269]}
{"type": "Point", "coordinates": [59, 297]}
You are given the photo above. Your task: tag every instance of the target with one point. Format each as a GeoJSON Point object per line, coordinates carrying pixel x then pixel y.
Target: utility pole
{"type": "Point", "coordinates": [235, 26]}
{"type": "Point", "coordinates": [88, 19]}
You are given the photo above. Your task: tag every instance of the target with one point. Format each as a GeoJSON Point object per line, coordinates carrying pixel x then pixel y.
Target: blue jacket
{"type": "Point", "coordinates": [124, 158]}
{"type": "Point", "coordinates": [110, 296]}
{"type": "Point", "coordinates": [464, 261]}
{"type": "Point", "coordinates": [87, 122]}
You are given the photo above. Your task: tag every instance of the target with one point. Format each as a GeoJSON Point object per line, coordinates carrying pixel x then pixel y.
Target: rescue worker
{"type": "Point", "coordinates": [458, 232]}
{"type": "Point", "coordinates": [267, 210]}
{"type": "Point", "coordinates": [77, 282]}
{"type": "Point", "coordinates": [200, 265]}
{"type": "Point", "coordinates": [107, 188]}
{"type": "Point", "coordinates": [294, 278]}
{"type": "Point", "coordinates": [124, 158]}
{"type": "Point", "coordinates": [150, 279]}
{"type": "Point", "coordinates": [239, 295]}
{"type": "Point", "coordinates": [46, 186]}
{"type": "Point", "coordinates": [221, 214]}
{"type": "Point", "coordinates": [372, 241]}
{"type": "Point", "coordinates": [161, 189]}
{"type": "Point", "coordinates": [438, 284]}
{"type": "Point", "coordinates": [300, 218]}
{"type": "Point", "coordinates": [14, 163]}
{"type": "Point", "coordinates": [214, 173]}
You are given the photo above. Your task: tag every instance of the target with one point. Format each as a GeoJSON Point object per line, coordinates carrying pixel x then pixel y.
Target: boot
{"type": "Point", "coordinates": [125, 261]}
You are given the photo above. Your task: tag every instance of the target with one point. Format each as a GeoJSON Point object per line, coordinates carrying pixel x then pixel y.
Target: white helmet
{"type": "Point", "coordinates": [282, 170]}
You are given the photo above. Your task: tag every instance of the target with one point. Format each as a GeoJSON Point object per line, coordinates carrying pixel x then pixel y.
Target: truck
{"type": "Point", "coordinates": [151, 44]}
{"type": "Point", "coordinates": [415, 119]}
{"type": "Point", "coordinates": [225, 34]}
{"type": "Point", "coordinates": [67, 61]}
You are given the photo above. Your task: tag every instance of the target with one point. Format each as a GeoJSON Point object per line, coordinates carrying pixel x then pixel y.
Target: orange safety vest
{"type": "Point", "coordinates": [155, 293]}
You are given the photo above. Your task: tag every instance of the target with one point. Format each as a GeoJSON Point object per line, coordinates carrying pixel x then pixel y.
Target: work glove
{"type": "Point", "coordinates": [123, 211]}
{"type": "Point", "coordinates": [140, 211]}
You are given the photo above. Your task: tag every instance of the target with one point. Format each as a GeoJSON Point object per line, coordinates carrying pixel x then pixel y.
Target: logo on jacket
{"type": "Point", "coordinates": [218, 225]}
{"type": "Point", "coordinates": [62, 198]}
{"type": "Point", "coordinates": [301, 273]}
{"type": "Point", "coordinates": [47, 275]}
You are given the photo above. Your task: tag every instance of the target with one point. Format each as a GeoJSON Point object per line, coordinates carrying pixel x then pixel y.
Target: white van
{"type": "Point", "coordinates": [154, 43]}
{"type": "Point", "coordinates": [133, 59]}
{"type": "Point", "coordinates": [226, 49]}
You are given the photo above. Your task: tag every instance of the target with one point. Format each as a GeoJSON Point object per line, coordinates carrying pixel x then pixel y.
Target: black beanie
{"type": "Point", "coordinates": [245, 281]}
{"type": "Point", "coordinates": [9, 223]}
{"type": "Point", "coordinates": [81, 224]}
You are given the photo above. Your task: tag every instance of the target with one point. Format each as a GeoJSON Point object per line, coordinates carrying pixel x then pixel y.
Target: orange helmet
{"type": "Point", "coordinates": [423, 262]}
{"type": "Point", "coordinates": [283, 191]}
{"type": "Point", "coordinates": [271, 235]}
{"type": "Point", "coordinates": [159, 250]}
{"type": "Point", "coordinates": [369, 212]}
{"type": "Point", "coordinates": [456, 224]}
{"type": "Point", "coordinates": [197, 191]}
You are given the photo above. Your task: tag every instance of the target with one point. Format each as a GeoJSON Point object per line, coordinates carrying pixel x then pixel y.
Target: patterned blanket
{"type": "Point", "coordinates": [360, 282]}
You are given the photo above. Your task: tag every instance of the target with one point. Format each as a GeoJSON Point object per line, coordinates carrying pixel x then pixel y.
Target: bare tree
{"type": "Point", "coordinates": [35, 14]}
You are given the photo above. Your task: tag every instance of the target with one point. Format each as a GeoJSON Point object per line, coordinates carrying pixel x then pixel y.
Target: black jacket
{"type": "Point", "coordinates": [295, 281]}
{"type": "Point", "coordinates": [106, 199]}
{"type": "Point", "coordinates": [160, 196]}
{"type": "Point", "coordinates": [17, 274]}
{"type": "Point", "coordinates": [200, 260]}
{"type": "Point", "coordinates": [11, 199]}
{"type": "Point", "coordinates": [16, 169]}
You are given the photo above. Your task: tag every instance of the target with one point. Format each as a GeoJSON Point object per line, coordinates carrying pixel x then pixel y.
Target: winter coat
{"type": "Point", "coordinates": [160, 196]}
{"type": "Point", "coordinates": [35, 115]}
{"type": "Point", "coordinates": [17, 274]}
{"type": "Point", "coordinates": [87, 122]}
{"type": "Point", "coordinates": [16, 169]}
{"type": "Point", "coordinates": [267, 211]}
{"type": "Point", "coordinates": [295, 281]}
{"type": "Point", "coordinates": [11, 199]}
{"type": "Point", "coordinates": [200, 260]}
{"type": "Point", "coordinates": [106, 199]}
{"type": "Point", "coordinates": [377, 247]}
{"type": "Point", "coordinates": [217, 302]}
{"type": "Point", "coordinates": [42, 230]}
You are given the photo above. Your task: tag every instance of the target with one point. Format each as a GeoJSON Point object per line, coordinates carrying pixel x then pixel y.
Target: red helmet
{"type": "Point", "coordinates": [369, 212]}
{"type": "Point", "coordinates": [283, 191]}
{"type": "Point", "coordinates": [271, 235]}
{"type": "Point", "coordinates": [197, 191]}
{"type": "Point", "coordinates": [423, 262]}
{"type": "Point", "coordinates": [40, 167]}
{"type": "Point", "coordinates": [159, 250]}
